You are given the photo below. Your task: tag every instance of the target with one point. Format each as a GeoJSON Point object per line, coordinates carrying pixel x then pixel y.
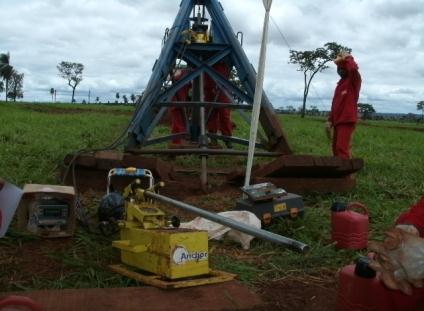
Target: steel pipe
{"type": "Point", "coordinates": [258, 233]}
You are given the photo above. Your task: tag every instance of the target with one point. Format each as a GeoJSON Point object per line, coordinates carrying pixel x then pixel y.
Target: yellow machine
{"type": "Point", "coordinates": [149, 242]}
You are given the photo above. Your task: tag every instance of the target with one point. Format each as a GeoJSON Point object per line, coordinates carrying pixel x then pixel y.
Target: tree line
{"type": "Point", "coordinates": [310, 63]}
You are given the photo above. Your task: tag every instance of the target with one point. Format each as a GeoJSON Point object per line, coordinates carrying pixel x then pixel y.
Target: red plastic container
{"type": "Point", "coordinates": [349, 228]}
{"type": "Point", "coordinates": [360, 289]}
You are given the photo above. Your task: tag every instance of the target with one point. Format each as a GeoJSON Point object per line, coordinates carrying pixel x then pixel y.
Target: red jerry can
{"type": "Point", "coordinates": [361, 289]}
{"type": "Point", "coordinates": [348, 227]}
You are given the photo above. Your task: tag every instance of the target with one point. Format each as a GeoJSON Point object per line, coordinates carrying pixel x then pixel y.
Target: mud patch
{"type": "Point", "coordinates": [21, 262]}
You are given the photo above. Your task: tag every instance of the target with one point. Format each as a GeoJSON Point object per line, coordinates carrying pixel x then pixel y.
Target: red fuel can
{"type": "Point", "coordinates": [361, 289]}
{"type": "Point", "coordinates": [348, 227]}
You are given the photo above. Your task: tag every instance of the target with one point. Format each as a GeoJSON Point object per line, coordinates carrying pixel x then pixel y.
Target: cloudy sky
{"type": "Point", "coordinates": [119, 40]}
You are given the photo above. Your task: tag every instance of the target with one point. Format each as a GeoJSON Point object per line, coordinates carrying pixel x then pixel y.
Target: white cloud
{"type": "Point", "coordinates": [118, 41]}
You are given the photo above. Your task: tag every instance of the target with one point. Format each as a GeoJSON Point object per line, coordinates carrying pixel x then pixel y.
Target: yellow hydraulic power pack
{"type": "Point", "coordinates": [171, 253]}
{"type": "Point", "coordinates": [149, 243]}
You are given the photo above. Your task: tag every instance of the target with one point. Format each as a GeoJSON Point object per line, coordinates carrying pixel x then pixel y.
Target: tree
{"type": "Point", "coordinates": [312, 62]}
{"type": "Point", "coordinates": [367, 110]}
{"type": "Point", "coordinates": [97, 99]}
{"type": "Point", "coordinates": [71, 72]}
{"type": "Point", "coordinates": [117, 97]}
{"type": "Point", "coordinates": [124, 97]}
{"type": "Point", "coordinates": [5, 70]}
{"type": "Point", "coordinates": [1, 86]}
{"type": "Point", "coordinates": [420, 106]}
{"type": "Point", "coordinates": [132, 97]}
{"type": "Point", "coordinates": [52, 93]}
{"type": "Point", "coordinates": [16, 83]}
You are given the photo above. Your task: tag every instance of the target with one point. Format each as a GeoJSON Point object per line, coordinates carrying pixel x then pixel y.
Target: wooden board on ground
{"type": "Point", "coordinates": [91, 169]}
{"type": "Point", "coordinates": [218, 297]}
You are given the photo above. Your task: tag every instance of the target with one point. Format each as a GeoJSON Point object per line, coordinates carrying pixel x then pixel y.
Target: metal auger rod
{"type": "Point", "coordinates": [258, 233]}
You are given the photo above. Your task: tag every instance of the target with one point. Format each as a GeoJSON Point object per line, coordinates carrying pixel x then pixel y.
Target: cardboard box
{"type": "Point", "coordinates": [47, 210]}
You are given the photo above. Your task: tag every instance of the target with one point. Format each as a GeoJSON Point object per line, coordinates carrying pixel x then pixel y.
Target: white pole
{"type": "Point", "coordinates": [258, 94]}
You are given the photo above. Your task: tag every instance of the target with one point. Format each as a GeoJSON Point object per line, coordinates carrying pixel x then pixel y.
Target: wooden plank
{"type": "Point", "coordinates": [216, 297]}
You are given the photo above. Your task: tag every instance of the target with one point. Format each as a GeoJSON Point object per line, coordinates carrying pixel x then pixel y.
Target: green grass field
{"type": "Point", "coordinates": [35, 138]}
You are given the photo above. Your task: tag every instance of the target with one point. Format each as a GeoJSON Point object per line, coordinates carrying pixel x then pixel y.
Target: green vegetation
{"type": "Point", "coordinates": [35, 138]}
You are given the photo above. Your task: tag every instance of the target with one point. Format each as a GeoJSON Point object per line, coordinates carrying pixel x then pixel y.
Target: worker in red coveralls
{"type": "Point", "coordinates": [220, 118]}
{"type": "Point", "coordinates": [178, 124]}
{"type": "Point", "coordinates": [400, 258]}
{"type": "Point", "coordinates": [343, 115]}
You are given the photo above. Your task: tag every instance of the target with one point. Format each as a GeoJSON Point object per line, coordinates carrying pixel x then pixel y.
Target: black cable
{"type": "Point", "coordinates": [289, 47]}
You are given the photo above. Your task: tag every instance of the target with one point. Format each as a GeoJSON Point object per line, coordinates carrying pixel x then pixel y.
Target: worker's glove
{"type": "Point", "coordinates": [341, 57]}
{"type": "Point", "coordinates": [329, 130]}
{"type": "Point", "coordinates": [400, 259]}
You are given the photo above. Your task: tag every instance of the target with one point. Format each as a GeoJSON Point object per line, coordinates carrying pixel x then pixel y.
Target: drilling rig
{"type": "Point", "coordinates": [200, 40]}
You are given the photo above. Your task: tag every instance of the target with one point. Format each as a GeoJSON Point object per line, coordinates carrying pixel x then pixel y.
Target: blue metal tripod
{"type": "Point", "coordinates": [200, 56]}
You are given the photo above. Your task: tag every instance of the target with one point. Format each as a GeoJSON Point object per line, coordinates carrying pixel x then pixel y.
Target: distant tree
{"type": "Point", "coordinates": [290, 109]}
{"type": "Point", "coordinates": [117, 97]}
{"type": "Point", "coordinates": [84, 101]}
{"type": "Point", "coordinates": [5, 70]}
{"type": "Point", "coordinates": [71, 72]}
{"type": "Point", "coordinates": [1, 86]}
{"type": "Point", "coordinates": [312, 62]}
{"type": "Point", "coordinates": [52, 93]}
{"type": "Point", "coordinates": [132, 97]}
{"type": "Point", "coordinates": [16, 83]}
{"type": "Point", "coordinates": [97, 99]}
{"type": "Point", "coordinates": [420, 106]}
{"type": "Point", "coordinates": [366, 110]}
{"type": "Point", "coordinates": [124, 97]}
{"type": "Point", "coordinates": [314, 110]}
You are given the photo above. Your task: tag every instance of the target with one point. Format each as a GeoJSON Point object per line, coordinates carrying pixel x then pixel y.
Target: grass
{"type": "Point", "coordinates": [33, 142]}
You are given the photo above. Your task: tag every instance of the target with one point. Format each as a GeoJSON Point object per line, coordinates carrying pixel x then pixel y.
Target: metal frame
{"type": "Point", "coordinates": [201, 57]}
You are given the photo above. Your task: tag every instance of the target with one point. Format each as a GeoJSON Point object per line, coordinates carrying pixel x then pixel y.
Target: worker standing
{"type": "Point", "coordinates": [344, 109]}
{"type": "Point", "coordinates": [178, 124]}
{"type": "Point", "coordinates": [220, 118]}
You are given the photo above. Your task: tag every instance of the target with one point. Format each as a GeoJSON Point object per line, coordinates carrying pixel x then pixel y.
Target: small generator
{"type": "Point", "coordinates": [267, 202]}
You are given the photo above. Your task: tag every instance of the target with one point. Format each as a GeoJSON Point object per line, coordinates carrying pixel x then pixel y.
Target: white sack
{"type": "Point", "coordinates": [217, 231]}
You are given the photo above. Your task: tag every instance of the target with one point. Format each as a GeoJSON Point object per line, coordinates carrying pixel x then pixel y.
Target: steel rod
{"type": "Point", "coordinates": [203, 137]}
{"type": "Point", "coordinates": [258, 233]}
{"type": "Point", "coordinates": [257, 99]}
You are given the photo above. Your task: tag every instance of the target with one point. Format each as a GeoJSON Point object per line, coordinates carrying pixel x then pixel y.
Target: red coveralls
{"type": "Point", "coordinates": [220, 118]}
{"type": "Point", "coordinates": [415, 217]}
{"type": "Point", "coordinates": [177, 113]}
{"type": "Point", "coordinates": [344, 109]}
